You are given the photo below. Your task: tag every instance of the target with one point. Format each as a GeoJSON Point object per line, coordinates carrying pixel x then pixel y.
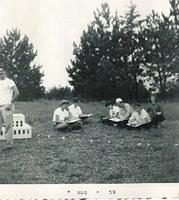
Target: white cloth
{"type": "Point", "coordinates": [113, 113]}
{"type": "Point", "coordinates": [62, 114]}
{"type": "Point", "coordinates": [6, 91]}
{"type": "Point", "coordinates": [142, 118]}
{"type": "Point", "coordinates": [128, 110]}
{"type": "Point", "coordinates": [75, 111]}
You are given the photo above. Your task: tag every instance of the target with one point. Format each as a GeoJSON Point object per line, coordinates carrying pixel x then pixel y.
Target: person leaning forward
{"type": "Point", "coordinates": [8, 95]}
{"type": "Point", "coordinates": [139, 118]}
{"type": "Point", "coordinates": [62, 117]}
{"type": "Point", "coordinates": [126, 111]}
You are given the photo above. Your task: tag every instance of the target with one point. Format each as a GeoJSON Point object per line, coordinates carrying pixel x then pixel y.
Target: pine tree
{"type": "Point", "coordinates": [17, 56]}
{"type": "Point", "coordinates": [108, 60]}
{"type": "Point", "coordinates": [90, 75]}
{"type": "Point", "coordinates": [161, 51]}
{"type": "Point", "coordinates": [131, 48]}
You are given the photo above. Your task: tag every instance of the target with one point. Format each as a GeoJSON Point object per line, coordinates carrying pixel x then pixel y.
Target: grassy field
{"type": "Point", "coordinates": [96, 154]}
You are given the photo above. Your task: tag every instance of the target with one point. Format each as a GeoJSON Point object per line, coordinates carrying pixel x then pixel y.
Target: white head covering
{"type": "Point", "coordinates": [118, 100]}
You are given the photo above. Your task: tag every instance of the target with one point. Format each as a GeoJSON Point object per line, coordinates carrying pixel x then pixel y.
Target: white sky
{"type": "Point", "coordinates": [53, 25]}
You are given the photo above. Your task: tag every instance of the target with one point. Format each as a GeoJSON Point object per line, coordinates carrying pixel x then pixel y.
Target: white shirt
{"type": "Point", "coordinates": [139, 118]}
{"type": "Point", "coordinates": [62, 114]}
{"type": "Point", "coordinates": [75, 111]}
{"type": "Point", "coordinates": [114, 111]}
{"type": "Point", "coordinates": [6, 91]}
{"type": "Point", "coordinates": [128, 110]}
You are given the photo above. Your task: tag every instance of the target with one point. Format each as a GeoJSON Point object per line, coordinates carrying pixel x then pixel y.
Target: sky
{"type": "Point", "coordinates": [53, 25]}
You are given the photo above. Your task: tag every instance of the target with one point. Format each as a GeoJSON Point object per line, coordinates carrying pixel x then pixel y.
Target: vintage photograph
{"type": "Point", "coordinates": [89, 91]}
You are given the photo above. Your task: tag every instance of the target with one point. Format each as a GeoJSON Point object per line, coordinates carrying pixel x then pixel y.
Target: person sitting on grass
{"type": "Point", "coordinates": [113, 114]}
{"type": "Point", "coordinates": [139, 118]}
{"type": "Point", "coordinates": [113, 110]}
{"type": "Point", "coordinates": [126, 112]}
{"type": "Point", "coordinates": [76, 112]}
{"type": "Point", "coordinates": [116, 115]}
{"type": "Point", "coordinates": [62, 118]}
{"type": "Point", "coordinates": [75, 109]}
{"type": "Point", "coordinates": [155, 112]}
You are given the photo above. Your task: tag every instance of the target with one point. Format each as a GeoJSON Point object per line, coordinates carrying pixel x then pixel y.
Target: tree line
{"type": "Point", "coordinates": [17, 57]}
{"type": "Point", "coordinates": [127, 56]}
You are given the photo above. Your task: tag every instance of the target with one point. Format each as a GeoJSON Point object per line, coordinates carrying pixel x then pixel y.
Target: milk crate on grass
{"type": "Point", "coordinates": [21, 129]}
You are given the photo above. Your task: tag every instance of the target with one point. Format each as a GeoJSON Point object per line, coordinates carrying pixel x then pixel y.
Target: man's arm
{"type": "Point", "coordinates": [146, 117]}
{"type": "Point", "coordinates": [128, 112]}
{"type": "Point", "coordinates": [15, 94]}
{"type": "Point", "coordinates": [58, 119]}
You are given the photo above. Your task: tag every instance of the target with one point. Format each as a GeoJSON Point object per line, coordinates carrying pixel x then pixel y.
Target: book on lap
{"type": "Point", "coordinates": [74, 120]}
{"type": "Point", "coordinates": [115, 119]}
{"type": "Point", "coordinates": [85, 115]}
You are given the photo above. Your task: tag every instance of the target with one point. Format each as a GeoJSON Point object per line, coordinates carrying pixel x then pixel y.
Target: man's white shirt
{"type": "Point", "coordinates": [113, 113]}
{"type": "Point", "coordinates": [62, 114]}
{"type": "Point", "coordinates": [75, 111]}
{"type": "Point", "coordinates": [6, 91]}
{"type": "Point", "coordinates": [139, 118]}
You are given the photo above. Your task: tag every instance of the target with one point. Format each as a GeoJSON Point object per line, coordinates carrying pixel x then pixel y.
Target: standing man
{"type": "Point", "coordinates": [8, 95]}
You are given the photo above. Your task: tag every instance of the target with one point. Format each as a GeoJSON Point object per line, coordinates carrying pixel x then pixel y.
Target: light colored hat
{"type": "Point", "coordinates": [63, 102]}
{"type": "Point", "coordinates": [118, 100]}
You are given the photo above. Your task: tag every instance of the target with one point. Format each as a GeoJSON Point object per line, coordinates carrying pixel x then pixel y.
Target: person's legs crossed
{"type": "Point", "coordinates": [61, 126]}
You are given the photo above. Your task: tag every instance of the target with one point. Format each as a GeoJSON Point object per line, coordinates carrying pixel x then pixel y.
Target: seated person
{"type": "Point", "coordinates": [155, 112]}
{"type": "Point", "coordinates": [139, 118]}
{"type": "Point", "coordinates": [76, 112]}
{"type": "Point", "coordinates": [115, 114]}
{"type": "Point", "coordinates": [62, 118]}
{"type": "Point", "coordinates": [75, 109]}
{"type": "Point", "coordinates": [126, 111]}
{"type": "Point", "coordinates": [113, 110]}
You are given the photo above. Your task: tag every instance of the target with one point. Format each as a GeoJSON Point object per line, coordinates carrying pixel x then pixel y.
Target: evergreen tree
{"type": "Point", "coordinates": [131, 48]}
{"type": "Point", "coordinates": [17, 57]}
{"type": "Point", "coordinates": [87, 69]}
{"type": "Point", "coordinates": [161, 51]}
{"type": "Point", "coordinates": [174, 12]}
{"type": "Point", "coordinates": [107, 60]}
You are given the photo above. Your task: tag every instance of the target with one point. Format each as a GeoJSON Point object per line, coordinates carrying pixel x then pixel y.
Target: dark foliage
{"type": "Point", "coordinates": [17, 56]}
{"type": "Point", "coordinates": [59, 93]}
{"type": "Point", "coordinates": [126, 56]}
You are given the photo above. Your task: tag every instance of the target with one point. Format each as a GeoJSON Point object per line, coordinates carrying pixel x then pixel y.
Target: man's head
{"type": "Point", "coordinates": [153, 99]}
{"type": "Point", "coordinates": [109, 104]}
{"type": "Point", "coordinates": [138, 108]}
{"type": "Point", "coordinates": [64, 104]}
{"type": "Point", "coordinates": [75, 101]}
{"type": "Point", "coordinates": [119, 102]}
{"type": "Point", "coordinates": [2, 74]}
